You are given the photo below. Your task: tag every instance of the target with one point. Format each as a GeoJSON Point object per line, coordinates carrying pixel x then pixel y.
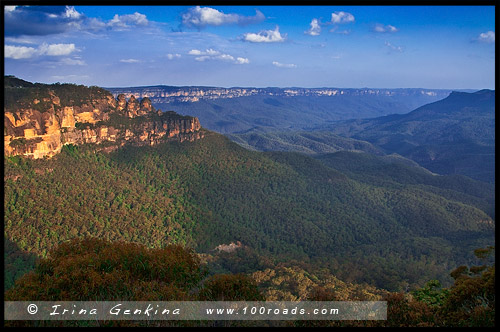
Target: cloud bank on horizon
{"type": "Point", "coordinates": [357, 46]}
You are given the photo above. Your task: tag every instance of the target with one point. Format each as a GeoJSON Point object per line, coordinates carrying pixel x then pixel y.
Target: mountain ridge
{"type": "Point", "coordinates": [453, 135]}
{"type": "Point", "coordinates": [40, 119]}
{"type": "Point", "coordinates": [231, 110]}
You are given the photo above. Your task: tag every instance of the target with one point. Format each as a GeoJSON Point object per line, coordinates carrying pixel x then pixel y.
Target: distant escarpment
{"type": "Point", "coordinates": [39, 119]}
{"type": "Point", "coordinates": [239, 109]}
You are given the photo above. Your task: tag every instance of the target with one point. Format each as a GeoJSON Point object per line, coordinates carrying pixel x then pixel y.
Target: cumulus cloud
{"type": "Point", "coordinates": [315, 28]}
{"type": "Point", "coordinates": [202, 58]}
{"type": "Point", "coordinates": [57, 49]}
{"type": "Point", "coordinates": [71, 12]}
{"type": "Point", "coordinates": [128, 21]}
{"type": "Point", "coordinates": [211, 54]}
{"type": "Point", "coordinates": [194, 52]}
{"type": "Point", "coordinates": [337, 18]}
{"type": "Point", "coordinates": [226, 57]}
{"type": "Point", "coordinates": [19, 52]}
{"type": "Point", "coordinates": [265, 36]}
{"type": "Point", "coordinates": [284, 65]}
{"type": "Point", "coordinates": [171, 56]}
{"type": "Point", "coordinates": [47, 20]}
{"type": "Point", "coordinates": [342, 18]}
{"type": "Point", "coordinates": [384, 28]}
{"type": "Point", "coordinates": [200, 17]}
{"type": "Point", "coordinates": [487, 37]}
{"type": "Point", "coordinates": [241, 61]}
{"type": "Point", "coordinates": [23, 52]}
{"type": "Point", "coordinates": [43, 20]}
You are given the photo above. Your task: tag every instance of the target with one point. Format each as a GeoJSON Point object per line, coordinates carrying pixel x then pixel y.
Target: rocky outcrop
{"type": "Point", "coordinates": [149, 131]}
{"type": "Point", "coordinates": [229, 247]}
{"type": "Point", "coordinates": [40, 127]}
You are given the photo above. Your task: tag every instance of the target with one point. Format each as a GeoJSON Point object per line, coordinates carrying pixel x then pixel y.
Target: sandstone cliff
{"type": "Point", "coordinates": [39, 119]}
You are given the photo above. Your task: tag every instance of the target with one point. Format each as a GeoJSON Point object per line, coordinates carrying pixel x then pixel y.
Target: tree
{"type": "Point", "coordinates": [92, 269]}
{"type": "Point", "coordinates": [230, 287]}
{"type": "Point", "coordinates": [471, 299]}
{"type": "Point", "coordinates": [431, 294]}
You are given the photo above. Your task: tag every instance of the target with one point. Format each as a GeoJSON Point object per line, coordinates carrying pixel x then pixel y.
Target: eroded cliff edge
{"type": "Point", "coordinates": [39, 119]}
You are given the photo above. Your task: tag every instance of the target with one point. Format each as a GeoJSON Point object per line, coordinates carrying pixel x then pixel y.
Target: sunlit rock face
{"type": "Point", "coordinates": [39, 127]}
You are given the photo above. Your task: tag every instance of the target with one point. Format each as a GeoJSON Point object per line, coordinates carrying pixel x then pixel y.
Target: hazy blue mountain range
{"type": "Point", "coordinates": [447, 132]}
{"type": "Point", "coordinates": [453, 136]}
{"type": "Point", "coordinates": [231, 110]}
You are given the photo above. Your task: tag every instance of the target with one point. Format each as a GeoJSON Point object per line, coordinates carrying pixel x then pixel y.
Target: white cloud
{"type": "Point", "coordinates": [487, 37]}
{"type": "Point", "coordinates": [225, 57]}
{"type": "Point", "coordinates": [126, 21]}
{"type": "Point", "coordinates": [342, 17]}
{"type": "Point", "coordinates": [211, 54]}
{"type": "Point", "coordinates": [384, 28]}
{"type": "Point", "coordinates": [19, 52]}
{"type": "Point", "coordinates": [71, 13]}
{"type": "Point", "coordinates": [209, 51]}
{"type": "Point", "coordinates": [265, 36]}
{"type": "Point", "coordinates": [200, 17]}
{"type": "Point", "coordinates": [173, 56]}
{"type": "Point", "coordinates": [207, 16]}
{"type": "Point", "coordinates": [95, 24]}
{"type": "Point", "coordinates": [47, 20]}
{"type": "Point", "coordinates": [40, 20]}
{"type": "Point", "coordinates": [202, 58]}
{"type": "Point", "coordinates": [315, 28]}
{"type": "Point", "coordinates": [57, 49]}
{"type": "Point", "coordinates": [130, 60]}
{"type": "Point", "coordinates": [23, 52]}
{"type": "Point", "coordinates": [284, 65]}
{"type": "Point", "coordinates": [241, 61]}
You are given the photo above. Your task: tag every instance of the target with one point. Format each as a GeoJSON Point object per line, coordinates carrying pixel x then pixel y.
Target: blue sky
{"type": "Point", "coordinates": [447, 47]}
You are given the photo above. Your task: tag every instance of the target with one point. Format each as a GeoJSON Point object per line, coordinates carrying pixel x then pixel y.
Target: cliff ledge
{"type": "Point", "coordinates": [39, 119]}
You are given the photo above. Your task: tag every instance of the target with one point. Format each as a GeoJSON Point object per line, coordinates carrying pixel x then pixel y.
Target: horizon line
{"type": "Point", "coordinates": [258, 87]}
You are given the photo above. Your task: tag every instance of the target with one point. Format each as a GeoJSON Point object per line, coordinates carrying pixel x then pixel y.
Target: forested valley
{"type": "Point", "coordinates": [239, 224]}
{"type": "Point", "coordinates": [284, 206]}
